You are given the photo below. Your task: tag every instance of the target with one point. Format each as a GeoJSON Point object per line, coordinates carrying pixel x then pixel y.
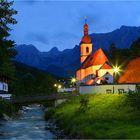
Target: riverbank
{"type": "Point", "coordinates": [100, 116]}
{"type": "Point", "coordinates": [7, 108]}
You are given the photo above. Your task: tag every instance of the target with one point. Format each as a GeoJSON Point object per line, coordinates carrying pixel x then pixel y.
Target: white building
{"type": "Point", "coordinates": [4, 88]}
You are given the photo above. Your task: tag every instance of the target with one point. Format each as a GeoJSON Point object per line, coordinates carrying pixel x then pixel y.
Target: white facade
{"type": "Point", "coordinates": [3, 86]}
{"type": "Point", "coordinates": [6, 96]}
{"type": "Point", "coordinates": [66, 89]}
{"type": "Point", "coordinates": [4, 91]}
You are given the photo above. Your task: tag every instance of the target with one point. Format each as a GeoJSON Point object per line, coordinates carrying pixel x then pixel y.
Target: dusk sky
{"type": "Point", "coordinates": [47, 23]}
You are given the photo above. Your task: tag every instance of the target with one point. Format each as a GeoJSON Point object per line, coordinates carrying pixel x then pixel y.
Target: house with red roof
{"type": "Point", "coordinates": [95, 67]}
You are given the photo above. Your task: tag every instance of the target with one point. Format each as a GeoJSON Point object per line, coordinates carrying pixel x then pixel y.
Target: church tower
{"type": "Point", "coordinates": [85, 45]}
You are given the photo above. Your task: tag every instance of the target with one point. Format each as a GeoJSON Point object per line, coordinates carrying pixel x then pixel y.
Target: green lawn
{"type": "Point", "coordinates": [107, 116]}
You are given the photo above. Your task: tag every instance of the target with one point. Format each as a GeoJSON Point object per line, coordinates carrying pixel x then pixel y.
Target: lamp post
{"type": "Point", "coordinates": [73, 81]}
{"type": "Point", "coordinates": [59, 87]}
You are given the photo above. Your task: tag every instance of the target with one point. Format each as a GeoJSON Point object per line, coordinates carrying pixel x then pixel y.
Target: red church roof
{"type": "Point", "coordinates": [131, 73]}
{"type": "Point", "coordinates": [86, 39]}
{"type": "Point", "coordinates": [106, 66]}
{"type": "Point", "coordinates": [97, 58]}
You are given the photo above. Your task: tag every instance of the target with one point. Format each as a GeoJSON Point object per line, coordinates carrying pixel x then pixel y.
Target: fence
{"type": "Point", "coordinates": [112, 88]}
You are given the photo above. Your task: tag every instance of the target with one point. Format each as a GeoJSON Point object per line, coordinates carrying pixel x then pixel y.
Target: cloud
{"type": "Point", "coordinates": [38, 37]}
{"type": "Point", "coordinates": [65, 35]}
{"type": "Point", "coordinates": [29, 2]}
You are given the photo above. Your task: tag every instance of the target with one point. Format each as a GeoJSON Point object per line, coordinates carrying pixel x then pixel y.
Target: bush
{"type": "Point", "coordinates": [49, 114]}
{"type": "Point", "coordinates": [7, 108]}
{"type": "Point", "coordinates": [84, 103]}
{"type": "Point", "coordinates": [133, 99]}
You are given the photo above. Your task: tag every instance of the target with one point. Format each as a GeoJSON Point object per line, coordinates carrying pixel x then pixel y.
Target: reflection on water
{"type": "Point", "coordinates": [29, 126]}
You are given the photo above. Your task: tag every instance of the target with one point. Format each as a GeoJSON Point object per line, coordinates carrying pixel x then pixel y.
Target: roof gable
{"type": "Point", "coordinates": [97, 58]}
{"type": "Point", "coordinates": [106, 65]}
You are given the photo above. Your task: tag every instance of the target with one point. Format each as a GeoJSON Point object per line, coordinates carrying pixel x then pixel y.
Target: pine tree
{"type": "Point", "coordinates": [7, 50]}
{"type": "Point", "coordinates": [135, 48]}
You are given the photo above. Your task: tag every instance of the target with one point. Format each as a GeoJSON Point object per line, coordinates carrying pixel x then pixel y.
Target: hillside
{"type": "Point", "coordinates": [64, 63]}
{"type": "Point", "coordinates": [31, 81]}
{"type": "Point", "coordinates": [107, 116]}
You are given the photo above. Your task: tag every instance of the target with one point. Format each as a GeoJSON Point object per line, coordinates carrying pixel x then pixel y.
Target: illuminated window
{"type": "Point", "coordinates": [87, 50]}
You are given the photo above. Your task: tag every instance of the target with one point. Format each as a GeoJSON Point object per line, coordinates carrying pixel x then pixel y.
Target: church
{"type": "Point", "coordinates": [95, 67]}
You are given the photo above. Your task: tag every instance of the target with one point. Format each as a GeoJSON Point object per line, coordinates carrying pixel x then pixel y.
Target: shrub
{"type": "Point", "coordinates": [133, 98]}
{"type": "Point", "coordinates": [49, 114]}
{"type": "Point", "coordinates": [7, 108]}
{"type": "Point", "coordinates": [84, 103]}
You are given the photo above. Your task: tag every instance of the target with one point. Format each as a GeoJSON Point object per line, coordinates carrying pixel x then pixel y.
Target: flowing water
{"type": "Point", "coordinates": [29, 126]}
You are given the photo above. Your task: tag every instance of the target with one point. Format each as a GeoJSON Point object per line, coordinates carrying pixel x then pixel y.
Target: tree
{"type": "Point", "coordinates": [112, 50]}
{"type": "Point", "coordinates": [135, 48]}
{"type": "Point", "coordinates": [7, 50]}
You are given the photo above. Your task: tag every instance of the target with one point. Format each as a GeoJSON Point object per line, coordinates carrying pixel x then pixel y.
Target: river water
{"type": "Point", "coordinates": [30, 125]}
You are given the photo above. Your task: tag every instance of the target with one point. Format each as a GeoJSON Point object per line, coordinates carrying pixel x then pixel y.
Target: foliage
{"type": "Point", "coordinates": [7, 108]}
{"type": "Point", "coordinates": [122, 56]}
{"type": "Point", "coordinates": [108, 117]}
{"type": "Point", "coordinates": [84, 104]}
{"type": "Point", "coordinates": [133, 99]}
{"type": "Point", "coordinates": [7, 50]}
{"type": "Point", "coordinates": [31, 81]}
{"type": "Point", "coordinates": [135, 47]}
{"type": "Point", "coordinates": [116, 57]}
{"type": "Point", "coordinates": [49, 114]}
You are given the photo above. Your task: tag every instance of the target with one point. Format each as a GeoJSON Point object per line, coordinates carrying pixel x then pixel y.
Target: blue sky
{"type": "Point", "coordinates": [47, 23]}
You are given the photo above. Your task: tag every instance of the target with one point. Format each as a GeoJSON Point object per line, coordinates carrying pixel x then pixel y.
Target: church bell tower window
{"type": "Point", "coordinates": [87, 49]}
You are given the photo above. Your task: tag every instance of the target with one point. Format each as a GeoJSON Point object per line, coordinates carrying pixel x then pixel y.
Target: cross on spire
{"type": "Point", "coordinates": [85, 19]}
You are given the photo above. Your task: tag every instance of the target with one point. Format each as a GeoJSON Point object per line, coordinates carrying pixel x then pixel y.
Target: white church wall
{"type": "Point", "coordinates": [120, 88]}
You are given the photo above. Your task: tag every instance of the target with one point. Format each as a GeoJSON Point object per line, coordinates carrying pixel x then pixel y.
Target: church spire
{"type": "Point", "coordinates": [86, 38]}
{"type": "Point", "coordinates": [85, 45]}
{"type": "Point", "coordinates": [85, 20]}
{"type": "Point", "coordinates": [85, 27]}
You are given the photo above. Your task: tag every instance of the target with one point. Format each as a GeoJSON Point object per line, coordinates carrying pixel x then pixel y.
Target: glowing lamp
{"type": "Point", "coordinates": [55, 85]}
{"type": "Point", "coordinates": [73, 80]}
{"type": "Point", "coordinates": [116, 69]}
{"type": "Point", "coordinates": [59, 86]}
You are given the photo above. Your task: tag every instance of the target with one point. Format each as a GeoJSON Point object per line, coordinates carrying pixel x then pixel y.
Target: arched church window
{"type": "Point", "coordinates": [106, 78]}
{"type": "Point", "coordinates": [87, 49]}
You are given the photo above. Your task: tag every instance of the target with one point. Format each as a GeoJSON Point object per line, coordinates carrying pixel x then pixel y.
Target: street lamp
{"type": "Point", "coordinates": [55, 85]}
{"type": "Point", "coordinates": [116, 70]}
{"type": "Point", "coordinates": [73, 80]}
{"type": "Point", "coordinates": [59, 86]}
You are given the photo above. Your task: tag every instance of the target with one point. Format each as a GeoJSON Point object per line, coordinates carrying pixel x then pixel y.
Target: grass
{"type": "Point", "coordinates": [107, 116]}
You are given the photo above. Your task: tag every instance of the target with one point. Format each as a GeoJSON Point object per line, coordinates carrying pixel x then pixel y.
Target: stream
{"type": "Point", "coordinates": [30, 125]}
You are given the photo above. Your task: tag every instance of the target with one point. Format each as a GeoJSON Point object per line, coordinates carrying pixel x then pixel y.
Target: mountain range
{"type": "Point", "coordinates": [64, 63]}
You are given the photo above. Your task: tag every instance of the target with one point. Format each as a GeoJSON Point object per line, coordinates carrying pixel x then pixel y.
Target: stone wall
{"type": "Point", "coordinates": [112, 88]}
